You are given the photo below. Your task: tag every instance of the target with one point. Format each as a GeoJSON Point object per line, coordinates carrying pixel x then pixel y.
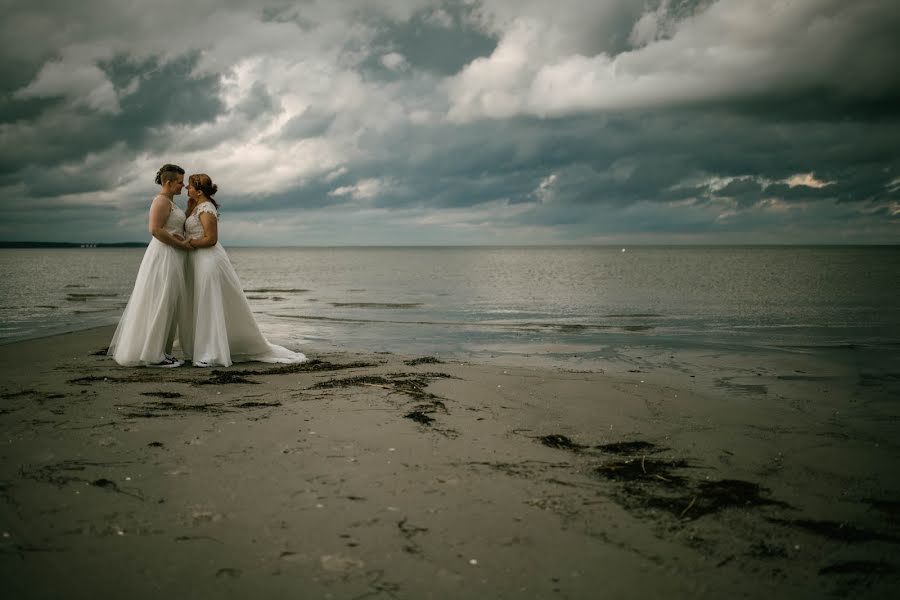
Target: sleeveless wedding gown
{"type": "Point", "coordinates": [224, 329]}
{"type": "Point", "coordinates": [158, 303]}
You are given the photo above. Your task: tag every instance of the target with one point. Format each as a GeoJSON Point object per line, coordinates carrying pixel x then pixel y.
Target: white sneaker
{"type": "Point", "coordinates": [201, 364]}
{"type": "Point", "coordinates": [167, 363]}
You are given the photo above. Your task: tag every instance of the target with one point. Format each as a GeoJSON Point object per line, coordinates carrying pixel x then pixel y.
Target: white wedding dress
{"type": "Point", "coordinates": [224, 329]}
{"type": "Point", "coordinates": [158, 306]}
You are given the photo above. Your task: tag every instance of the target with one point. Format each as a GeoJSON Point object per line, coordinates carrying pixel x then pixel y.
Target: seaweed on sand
{"type": "Point", "coordinates": [310, 366]}
{"type": "Point", "coordinates": [150, 410]}
{"type": "Point", "coordinates": [137, 376]}
{"type": "Point", "coordinates": [358, 380]}
{"type": "Point", "coordinates": [71, 471]}
{"type": "Point", "coordinates": [425, 360]}
{"type": "Point", "coordinates": [686, 499]}
{"type": "Point", "coordinates": [218, 377]}
{"type": "Point", "coordinates": [162, 394]}
{"type": "Point", "coordinates": [409, 532]}
{"type": "Point", "coordinates": [411, 384]}
{"type": "Point", "coordinates": [113, 487]}
{"type": "Point", "coordinates": [858, 567]}
{"type": "Point", "coordinates": [255, 404]}
{"type": "Point", "coordinates": [889, 508]}
{"type": "Point", "coordinates": [644, 470]}
{"type": "Point", "coordinates": [647, 482]}
{"type": "Point", "coordinates": [419, 417]}
{"type": "Point", "coordinates": [556, 440]}
{"type": "Point", "coordinates": [39, 397]}
{"type": "Point", "coordinates": [10, 395]}
{"type": "Point", "coordinates": [633, 447]}
{"type": "Point", "coordinates": [713, 496]}
{"type": "Point", "coordinates": [836, 531]}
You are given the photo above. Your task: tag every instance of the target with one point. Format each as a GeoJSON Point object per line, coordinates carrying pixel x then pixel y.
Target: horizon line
{"type": "Point", "coordinates": [89, 245]}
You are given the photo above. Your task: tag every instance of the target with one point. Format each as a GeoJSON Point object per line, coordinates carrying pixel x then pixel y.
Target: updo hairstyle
{"type": "Point", "coordinates": [202, 182]}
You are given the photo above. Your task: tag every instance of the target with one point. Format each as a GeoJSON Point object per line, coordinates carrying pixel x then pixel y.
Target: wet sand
{"type": "Point", "coordinates": [384, 476]}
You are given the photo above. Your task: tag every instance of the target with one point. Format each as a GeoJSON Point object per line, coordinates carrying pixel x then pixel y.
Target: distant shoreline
{"type": "Point", "coordinates": [6, 244]}
{"type": "Point", "coordinates": [72, 245]}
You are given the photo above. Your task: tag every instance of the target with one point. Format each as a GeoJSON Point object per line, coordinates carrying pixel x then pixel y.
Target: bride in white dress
{"type": "Point", "coordinates": [158, 305]}
{"type": "Point", "coordinates": [224, 328]}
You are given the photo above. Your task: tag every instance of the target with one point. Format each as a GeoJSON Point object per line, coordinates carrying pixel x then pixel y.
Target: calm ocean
{"type": "Point", "coordinates": [567, 305]}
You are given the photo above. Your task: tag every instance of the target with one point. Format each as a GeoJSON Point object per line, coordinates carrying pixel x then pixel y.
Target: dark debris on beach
{"type": "Point", "coordinates": [646, 482]}
{"type": "Point", "coordinates": [150, 410]}
{"type": "Point", "coordinates": [425, 360]}
{"type": "Point", "coordinates": [412, 385]}
{"type": "Point", "coordinates": [841, 532]}
{"type": "Point", "coordinates": [219, 377]}
{"type": "Point", "coordinates": [556, 440]}
{"type": "Point", "coordinates": [419, 417]}
{"type": "Point", "coordinates": [68, 472]}
{"type": "Point", "coordinates": [859, 567]}
{"type": "Point", "coordinates": [135, 376]}
{"type": "Point", "coordinates": [162, 394]}
{"type": "Point", "coordinates": [632, 447]}
{"type": "Point", "coordinates": [310, 366]}
{"type": "Point", "coordinates": [653, 486]}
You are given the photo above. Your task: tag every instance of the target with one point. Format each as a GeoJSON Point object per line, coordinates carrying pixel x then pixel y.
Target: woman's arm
{"type": "Point", "coordinates": [159, 214]}
{"type": "Point", "coordinates": [210, 232]}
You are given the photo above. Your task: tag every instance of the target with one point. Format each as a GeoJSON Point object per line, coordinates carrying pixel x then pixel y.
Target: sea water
{"type": "Point", "coordinates": [561, 304]}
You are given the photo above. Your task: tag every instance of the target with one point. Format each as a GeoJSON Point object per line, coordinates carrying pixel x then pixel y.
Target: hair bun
{"type": "Point", "coordinates": [158, 180]}
{"type": "Point", "coordinates": [213, 188]}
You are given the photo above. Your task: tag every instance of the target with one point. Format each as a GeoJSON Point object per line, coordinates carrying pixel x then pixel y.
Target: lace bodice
{"type": "Point", "coordinates": [175, 223]}
{"type": "Point", "coordinates": [193, 228]}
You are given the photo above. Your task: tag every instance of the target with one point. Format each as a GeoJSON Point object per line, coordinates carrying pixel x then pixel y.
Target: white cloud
{"type": "Point", "coordinates": [394, 61]}
{"type": "Point", "coordinates": [733, 49]}
{"type": "Point", "coordinates": [544, 191]}
{"type": "Point", "coordinates": [365, 189]}
{"type": "Point", "coordinates": [807, 180]}
{"type": "Point", "coordinates": [651, 26]}
{"type": "Point", "coordinates": [82, 85]}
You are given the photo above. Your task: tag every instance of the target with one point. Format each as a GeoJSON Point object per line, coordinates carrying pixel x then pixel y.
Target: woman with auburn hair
{"type": "Point", "coordinates": [158, 305]}
{"type": "Point", "coordinates": [224, 330]}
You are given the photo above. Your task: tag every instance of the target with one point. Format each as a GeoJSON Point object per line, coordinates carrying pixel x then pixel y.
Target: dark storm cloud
{"type": "Point", "coordinates": [441, 40]}
{"type": "Point", "coordinates": [568, 120]}
{"type": "Point", "coordinates": [72, 224]}
{"type": "Point", "coordinates": [13, 110]}
{"type": "Point", "coordinates": [53, 138]}
{"type": "Point", "coordinates": [169, 94]}
{"type": "Point", "coordinates": [641, 157]}
{"type": "Point", "coordinates": [258, 102]}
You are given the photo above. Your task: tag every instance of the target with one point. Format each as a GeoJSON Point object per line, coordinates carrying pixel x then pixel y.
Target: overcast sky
{"type": "Point", "coordinates": [458, 121]}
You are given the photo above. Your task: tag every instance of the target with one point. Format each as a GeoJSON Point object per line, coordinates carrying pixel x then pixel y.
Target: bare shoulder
{"type": "Point", "coordinates": [161, 201]}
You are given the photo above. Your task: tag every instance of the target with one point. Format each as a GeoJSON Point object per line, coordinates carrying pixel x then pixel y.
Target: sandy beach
{"type": "Point", "coordinates": [387, 476]}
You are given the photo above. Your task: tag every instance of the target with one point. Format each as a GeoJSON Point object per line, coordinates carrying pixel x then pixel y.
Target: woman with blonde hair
{"type": "Point", "coordinates": [224, 330]}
